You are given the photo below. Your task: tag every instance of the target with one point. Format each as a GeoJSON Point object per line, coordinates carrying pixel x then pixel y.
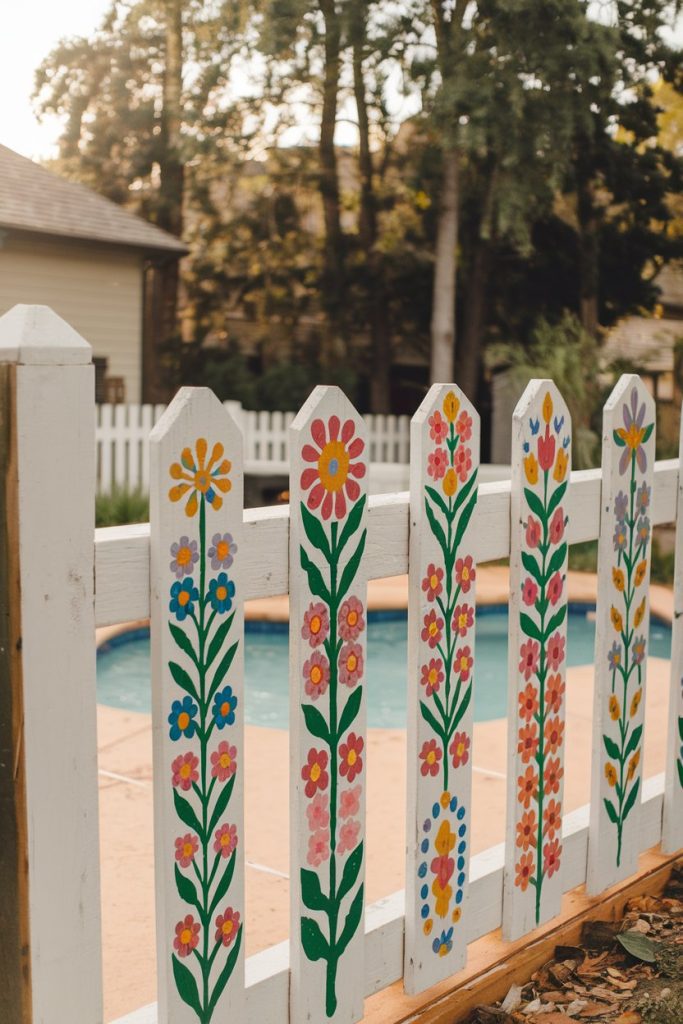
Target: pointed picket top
{"type": "Point", "coordinates": [197, 630]}
{"type": "Point", "coordinates": [537, 658]}
{"type": "Point", "coordinates": [622, 622]}
{"type": "Point", "coordinates": [444, 464]}
{"type": "Point", "coordinates": [672, 822]}
{"type": "Point", "coordinates": [36, 335]}
{"type": "Point", "coordinates": [328, 586]}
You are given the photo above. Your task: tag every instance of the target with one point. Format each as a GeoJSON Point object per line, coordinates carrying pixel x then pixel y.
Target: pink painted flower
{"type": "Point", "coordinates": [533, 532]}
{"type": "Point", "coordinates": [186, 936]}
{"type": "Point", "coordinates": [316, 625]}
{"type": "Point", "coordinates": [528, 702]}
{"type": "Point", "coordinates": [350, 664]}
{"type": "Point", "coordinates": [551, 857]}
{"type": "Point", "coordinates": [431, 584]}
{"type": "Point", "coordinates": [462, 462]}
{"type": "Point", "coordinates": [460, 749]}
{"type": "Point", "coordinates": [314, 772]}
{"type": "Point", "coordinates": [184, 770]}
{"type": "Point", "coordinates": [463, 619]}
{"type": "Point", "coordinates": [528, 654]}
{"type": "Point", "coordinates": [348, 836]}
{"type": "Point", "coordinates": [557, 526]}
{"type": "Point", "coordinates": [437, 463]}
{"type": "Point", "coordinates": [318, 847]}
{"type": "Point", "coordinates": [318, 812]}
{"type": "Point", "coordinates": [432, 675]}
{"type": "Point", "coordinates": [555, 585]}
{"type": "Point", "coordinates": [225, 840]}
{"type": "Point", "coordinates": [430, 755]}
{"type": "Point", "coordinates": [336, 473]}
{"type": "Point", "coordinates": [316, 675]}
{"type": "Point", "coordinates": [438, 427]}
{"type": "Point", "coordinates": [224, 761]}
{"type": "Point", "coordinates": [432, 628]}
{"type": "Point", "coordinates": [555, 651]}
{"type": "Point", "coordinates": [350, 760]}
{"type": "Point", "coordinates": [350, 621]}
{"type": "Point", "coordinates": [463, 426]}
{"type": "Point", "coordinates": [465, 573]}
{"type": "Point", "coordinates": [227, 926]}
{"type": "Point", "coordinates": [185, 848]}
{"type": "Point", "coordinates": [529, 592]}
{"type": "Point", "coordinates": [463, 662]}
{"type": "Point", "coordinates": [546, 450]}
{"type": "Point", "coordinates": [349, 802]}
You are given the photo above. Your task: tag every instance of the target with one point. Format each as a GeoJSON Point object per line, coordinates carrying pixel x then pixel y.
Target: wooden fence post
{"type": "Point", "coordinates": [50, 941]}
{"type": "Point", "coordinates": [672, 821]}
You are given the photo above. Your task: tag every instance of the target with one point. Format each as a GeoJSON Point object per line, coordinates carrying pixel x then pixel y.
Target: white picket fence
{"type": "Point", "coordinates": [192, 569]}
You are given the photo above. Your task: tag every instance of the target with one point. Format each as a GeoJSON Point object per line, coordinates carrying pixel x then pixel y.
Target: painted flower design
{"type": "Point", "coordinates": [432, 676]}
{"type": "Point", "coordinates": [350, 621]}
{"type": "Point", "coordinates": [185, 849]}
{"type": "Point", "coordinates": [438, 427]}
{"type": "Point", "coordinates": [528, 742]}
{"type": "Point", "coordinates": [318, 847]}
{"type": "Point", "coordinates": [334, 479]}
{"type": "Point", "coordinates": [528, 702]}
{"type": "Point", "coordinates": [555, 652]}
{"type": "Point", "coordinates": [444, 943]}
{"type": "Point", "coordinates": [183, 598]}
{"type": "Point", "coordinates": [528, 653]}
{"type": "Point", "coordinates": [551, 857]}
{"type": "Point", "coordinates": [552, 818]}
{"type": "Point", "coordinates": [186, 936]}
{"type": "Point", "coordinates": [223, 761]}
{"type": "Point", "coordinates": [533, 532]}
{"type": "Point", "coordinates": [184, 555]}
{"type": "Point", "coordinates": [524, 871]}
{"type": "Point", "coordinates": [555, 587]}
{"type": "Point", "coordinates": [316, 625]}
{"type": "Point", "coordinates": [463, 662]}
{"type": "Point", "coordinates": [528, 787]}
{"type": "Point", "coordinates": [224, 705]}
{"type": "Point", "coordinates": [463, 426]}
{"type": "Point", "coordinates": [225, 840]}
{"type": "Point", "coordinates": [554, 692]}
{"type": "Point", "coordinates": [221, 593]}
{"type": "Point", "coordinates": [222, 551]}
{"type": "Point", "coordinates": [200, 477]}
{"type": "Point", "coordinates": [349, 802]}
{"type": "Point", "coordinates": [529, 592]}
{"type": "Point", "coordinates": [316, 675]}
{"type": "Point", "coordinates": [432, 629]}
{"type": "Point", "coordinates": [462, 462]}
{"type": "Point", "coordinates": [227, 926]}
{"type": "Point", "coordinates": [527, 830]}
{"type": "Point", "coordinates": [437, 463]}
{"type": "Point", "coordinates": [314, 772]}
{"type": "Point", "coordinates": [318, 812]}
{"type": "Point", "coordinates": [350, 664]}
{"type": "Point", "coordinates": [184, 771]}
{"type": "Point", "coordinates": [432, 582]}
{"type": "Point", "coordinates": [348, 836]}
{"type": "Point", "coordinates": [460, 749]}
{"type": "Point", "coordinates": [633, 434]}
{"type": "Point", "coordinates": [463, 619]}
{"type": "Point", "coordinates": [465, 573]}
{"type": "Point", "coordinates": [430, 755]}
{"type": "Point", "coordinates": [350, 760]}
{"type": "Point", "coordinates": [182, 718]}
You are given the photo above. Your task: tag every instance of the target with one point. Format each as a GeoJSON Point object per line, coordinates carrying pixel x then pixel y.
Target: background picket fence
{"type": "Point", "coordinates": [57, 586]}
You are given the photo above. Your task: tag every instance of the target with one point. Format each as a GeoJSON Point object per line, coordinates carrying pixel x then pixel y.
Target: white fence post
{"type": "Point", "coordinates": [50, 907]}
{"type": "Point", "coordinates": [672, 821]}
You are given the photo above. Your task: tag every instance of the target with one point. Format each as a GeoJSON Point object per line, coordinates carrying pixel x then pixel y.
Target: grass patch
{"type": "Point", "coordinates": [121, 507]}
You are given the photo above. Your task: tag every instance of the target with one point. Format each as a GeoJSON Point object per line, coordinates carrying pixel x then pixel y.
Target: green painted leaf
{"type": "Point", "coordinates": [219, 639]}
{"type": "Point", "coordinates": [314, 943]}
{"type": "Point", "coordinates": [311, 893]}
{"type": "Point", "coordinates": [431, 720]}
{"type": "Point", "coordinates": [633, 741]}
{"type": "Point", "coordinates": [183, 642]}
{"type": "Point", "coordinates": [532, 567]}
{"type": "Point", "coordinates": [630, 800]}
{"type": "Point", "coordinates": [224, 884]}
{"type": "Point", "coordinates": [182, 679]}
{"type": "Point", "coordinates": [680, 772]}
{"type": "Point", "coordinates": [315, 723]}
{"type": "Point", "coordinates": [437, 499]}
{"type": "Point", "coordinates": [529, 627]}
{"type": "Point", "coordinates": [464, 520]}
{"type": "Point", "coordinates": [648, 432]}
{"type": "Point", "coordinates": [352, 522]}
{"type": "Point", "coordinates": [556, 497]}
{"type": "Point", "coordinates": [351, 869]}
{"type": "Point", "coordinates": [436, 528]}
{"type": "Point", "coordinates": [223, 667]}
{"type": "Point", "coordinates": [316, 584]}
{"type": "Point", "coordinates": [186, 813]}
{"type": "Point", "coordinates": [557, 561]}
{"type": "Point", "coordinates": [224, 976]}
{"type": "Point", "coordinates": [638, 945]}
{"type": "Point", "coordinates": [611, 747]}
{"type": "Point", "coordinates": [611, 811]}
{"type": "Point", "coordinates": [351, 923]}
{"type": "Point", "coordinates": [556, 621]}
{"type": "Point", "coordinates": [221, 803]}
{"type": "Point", "coordinates": [350, 709]}
{"type": "Point", "coordinates": [618, 439]}
{"type": "Point", "coordinates": [535, 503]}
{"type": "Point", "coordinates": [462, 495]}
{"type": "Point", "coordinates": [460, 710]}
{"type": "Point", "coordinates": [186, 889]}
{"type": "Point", "coordinates": [680, 728]}
{"type": "Point", "coordinates": [186, 985]}
{"type": "Point", "coordinates": [315, 532]}
{"type": "Point", "coordinates": [351, 567]}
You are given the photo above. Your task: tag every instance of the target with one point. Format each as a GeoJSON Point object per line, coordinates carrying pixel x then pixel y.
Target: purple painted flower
{"type": "Point", "coordinates": [643, 498]}
{"type": "Point", "coordinates": [621, 506]}
{"type": "Point", "coordinates": [638, 650]}
{"type": "Point", "coordinates": [643, 533]}
{"type": "Point", "coordinates": [632, 435]}
{"type": "Point", "coordinates": [614, 656]}
{"type": "Point", "coordinates": [184, 554]}
{"type": "Point", "coordinates": [222, 550]}
{"type": "Point", "coordinates": [620, 537]}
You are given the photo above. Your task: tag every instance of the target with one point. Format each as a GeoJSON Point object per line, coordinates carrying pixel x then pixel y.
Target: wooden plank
{"type": "Point", "coordinates": [328, 488]}
{"type": "Point", "coordinates": [441, 675]}
{"type": "Point", "coordinates": [672, 821]}
{"type": "Point", "coordinates": [622, 620]}
{"type": "Point", "coordinates": [197, 633]}
{"type": "Point", "coordinates": [537, 630]}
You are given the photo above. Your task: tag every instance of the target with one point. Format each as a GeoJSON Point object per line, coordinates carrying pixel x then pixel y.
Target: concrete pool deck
{"type": "Point", "coordinates": [125, 784]}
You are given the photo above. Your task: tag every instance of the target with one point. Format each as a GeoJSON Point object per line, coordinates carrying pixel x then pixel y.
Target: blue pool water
{"type": "Point", "coordinates": [123, 670]}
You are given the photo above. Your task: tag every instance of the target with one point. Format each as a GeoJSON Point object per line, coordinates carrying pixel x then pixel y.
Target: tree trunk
{"type": "Point", "coordinates": [333, 268]}
{"type": "Point", "coordinates": [589, 259]}
{"type": "Point", "coordinates": [445, 266]}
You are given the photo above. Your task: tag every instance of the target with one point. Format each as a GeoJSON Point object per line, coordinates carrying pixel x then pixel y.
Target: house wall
{"type": "Point", "coordinates": [97, 289]}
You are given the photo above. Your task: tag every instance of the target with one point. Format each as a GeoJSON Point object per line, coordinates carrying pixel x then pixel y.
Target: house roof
{"type": "Point", "coordinates": [37, 200]}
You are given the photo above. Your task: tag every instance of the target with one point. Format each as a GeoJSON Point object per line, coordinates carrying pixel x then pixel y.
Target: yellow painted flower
{"type": "Point", "coordinates": [547, 407]}
{"type": "Point", "coordinates": [531, 468]}
{"type": "Point", "coordinates": [445, 839]}
{"type": "Point", "coordinates": [635, 703]}
{"type": "Point", "coordinates": [442, 896]}
{"type": "Point", "coordinates": [427, 926]}
{"type": "Point", "coordinates": [640, 613]}
{"type": "Point", "coordinates": [616, 618]}
{"type": "Point", "coordinates": [450, 482]}
{"type": "Point", "coordinates": [641, 569]}
{"type": "Point", "coordinates": [633, 764]}
{"type": "Point", "coordinates": [456, 915]}
{"type": "Point", "coordinates": [561, 463]}
{"type": "Point", "coordinates": [618, 579]}
{"type": "Point", "coordinates": [451, 407]}
{"type": "Point", "coordinates": [610, 774]}
{"type": "Point", "coordinates": [614, 708]}
{"type": "Point", "coordinates": [201, 477]}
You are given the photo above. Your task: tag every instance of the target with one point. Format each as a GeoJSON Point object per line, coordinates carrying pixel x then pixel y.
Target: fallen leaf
{"type": "Point", "coordinates": [554, 1017]}
{"type": "Point", "coordinates": [598, 1009]}
{"type": "Point", "coordinates": [513, 999]}
{"type": "Point", "coordinates": [630, 1017]}
{"type": "Point", "coordinates": [638, 946]}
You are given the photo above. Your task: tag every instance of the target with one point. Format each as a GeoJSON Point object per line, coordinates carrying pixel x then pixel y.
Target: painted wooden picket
{"type": "Point", "coordinates": [622, 622]}
{"type": "Point", "coordinates": [541, 465]}
{"type": "Point", "coordinates": [672, 821]}
{"type": "Point", "coordinates": [441, 673]}
{"type": "Point", "coordinates": [197, 634]}
{"type": "Point", "coordinates": [328, 489]}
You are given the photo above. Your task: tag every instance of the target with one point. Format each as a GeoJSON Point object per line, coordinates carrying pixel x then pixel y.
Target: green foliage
{"type": "Point", "coordinates": [121, 506]}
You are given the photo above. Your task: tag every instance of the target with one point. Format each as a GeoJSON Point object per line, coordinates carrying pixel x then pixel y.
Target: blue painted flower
{"type": "Point", "coordinates": [221, 593]}
{"type": "Point", "coordinates": [444, 944]}
{"type": "Point", "coordinates": [181, 718]}
{"type": "Point", "coordinates": [224, 704]}
{"type": "Point", "coordinates": [183, 596]}
{"type": "Point", "coordinates": [525, 447]}
{"type": "Point", "coordinates": [533, 427]}
{"type": "Point", "coordinates": [558, 423]}
{"type": "Point", "coordinates": [614, 656]}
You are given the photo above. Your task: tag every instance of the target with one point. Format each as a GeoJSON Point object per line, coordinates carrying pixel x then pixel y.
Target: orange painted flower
{"type": "Point", "coordinates": [450, 482]}
{"type": "Point", "coordinates": [451, 406]}
{"type": "Point", "coordinates": [547, 408]}
{"type": "Point", "coordinates": [531, 468]}
{"type": "Point", "coordinates": [640, 613]}
{"type": "Point", "coordinates": [552, 818]}
{"type": "Point", "coordinates": [633, 764]}
{"type": "Point", "coordinates": [528, 742]}
{"type": "Point", "coordinates": [635, 703]}
{"type": "Point", "coordinates": [552, 774]}
{"type": "Point", "coordinates": [201, 477]}
{"type": "Point", "coordinates": [554, 692]}
{"type": "Point", "coordinates": [561, 463]}
{"type": "Point", "coordinates": [528, 702]}
{"type": "Point", "coordinates": [552, 732]}
{"type": "Point", "coordinates": [552, 852]}
{"type": "Point", "coordinates": [527, 830]}
{"type": "Point", "coordinates": [610, 774]}
{"type": "Point", "coordinates": [528, 787]}
{"type": "Point", "coordinates": [525, 869]}
{"type": "Point", "coordinates": [336, 475]}
{"type": "Point", "coordinates": [641, 569]}
{"type": "Point", "coordinates": [618, 579]}
{"type": "Point", "coordinates": [616, 618]}
{"type": "Point", "coordinates": [614, 708]}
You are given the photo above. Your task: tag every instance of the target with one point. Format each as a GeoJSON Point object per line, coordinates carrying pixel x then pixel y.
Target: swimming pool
{"type": "Point", "coordinates": [123, 670]}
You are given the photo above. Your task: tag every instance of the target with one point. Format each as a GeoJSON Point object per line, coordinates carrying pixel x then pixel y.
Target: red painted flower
{"type": "Point", "coordinates": [225, 840]}
{"type": "Point", "coordinates": [437, 463]}
{"type": "Point", "coordinates": [316, 675]}
{"type": "Point", "coordinates": [227, 926]}
{"type": "Point", "coordinates": [554, 692]}
{"type": "Point", "coordinates": [433, 628]}
{"type": "Point", "coordinates": [529, 592]}
{"type": "Point", "coordinates": [463, 662]}
{"type": "Point", "coordinates": [527, 830]}
{"type": "Point", "coordinates": [546, 450]}
{"type": "Point", "coordinates": [316, 625]}
{"type": "Point", "coordinates": [186, 936]}
{"type": "Point", "coordinates": [438, 427]}
{"type": "Point", "coordinates": [335, 477]}
{"type": "Point", "coordinates": [528, 702]}
{"type": "Point", "coordinates": [462, 462]}
{"type": "Point", "coordinates": [430, 755]}
{"type": "Point", "coordinates": [349, 802]}
{"type": "Point", "coordinates": [432, 675]}
{"type": "Point", "coordinates": [350, 760]}
{"type": "Point", "coordinates": [350, 621]}
{"type": "Point", "coordinates": [552, 732]}
{"type": "Point", "coordinates": [528, 658]}
{"type": "Point", "coordinates": [348, 836]}
{"type": "Point", "coordinates": [552, 818]}
{"type": "Point", "coordinates": [525, 870]}
{"type": "Point", "coordinates": [555, 651]}
{"type": "Point", "coordinates": [465, 573]}
{"type": "Point", "coordinates": [314, 772]}
{"type": "Point", "coordinates": [463, 426]}
{"type": "Point", "coordinates": [318, 847]}
{"type": "Point", "coordinates": [224, 761]}
{"type": "Point", "coordinates": [552, 773]}
{"type": "Point", "coordinates": [350, 664]}
{"type": "Point", "coordinates": [463, 619]}
{"type": "Point", "coordinates": [533, 532]}
{"type": "Point", "coordinates": [431, 584]}
{"type": "Point", "coordinates": [318, 812]}
{"type": "Point", "coordinates": [443, 867]}
{"type": "Point", "coordinates": [551, 857]}
{"type": "Point", "coordinates": [555, 585]}
{"type": "Point", "coordinates": [460, 749]}
{"type": "Point", "coordinates": [557, 526]}
{"type": "Point", "coordinates": [528, 742]}
{"type": "Point", "coordinates": [184, 770]}
{"type": "Point", "coordinates": [185, 848]}
{"type": "Point", "coordinates": [528, 787]}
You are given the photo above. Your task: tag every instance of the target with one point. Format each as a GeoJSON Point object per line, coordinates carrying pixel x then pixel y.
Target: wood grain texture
{"type": "Point", "coordinates": [672, 822]}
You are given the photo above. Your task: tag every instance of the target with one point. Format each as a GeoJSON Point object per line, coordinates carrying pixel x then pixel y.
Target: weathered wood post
{"type": "Point", "coordinates": [50, 941]}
